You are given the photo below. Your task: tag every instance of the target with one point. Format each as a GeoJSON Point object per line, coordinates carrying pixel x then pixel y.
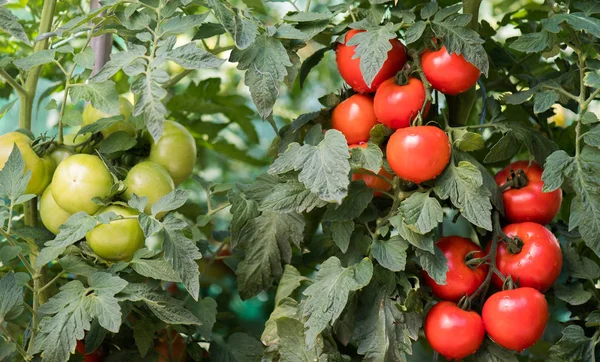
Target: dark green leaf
{"type": "Point", "coordinates": [391, 254]}
{"type": "Point", "coordinates": [341, 231]}
{"type": "Point", "coordinates": [242, 30]}
{"type": "Point", "coordinates": [11, 298]}
{"type": "Point", "coordinates": [10, 24]}
{"type": "Point", "coordinates": [573, 346]}
{"type": "Point", "coordinates": [542, 101]}
{"type": "Point", "coordinates": [436, 265]}
{"type": "Point", "coordinates": [532, 42]}
{"type": "Point", "coordinates": [309, 63]}
{"type": "Point", "coordinates": [291, 196]}
{"type": "Point", "coordinates": [422, 212]}
{"type": "Point", "coordinates": [13, 179]}
{"type": "Point", "coordinates": [359, 197]}
{"type": "Point", "coordinates": [190, 56]}
{"type": "Point", "coordinates": [116, 142]}
{"type": "Point", "coordinates": [372, 49]}
{"type": "Point", "coordinates": [574, 294]}
{"type": "Point", "coordinates": [415, 32]}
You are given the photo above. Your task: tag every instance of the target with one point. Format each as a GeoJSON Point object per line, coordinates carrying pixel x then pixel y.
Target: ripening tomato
{"type": "Point", "coordinates": [397, 105]}
{"type": "Point", "coordinates": [448, 73]}
{"type": "Point", "coordinates": [118, 239]}
{"type": "Point", "coordinates": [349, 66]}
{"type": "Point", "coordinates": [91, 115]}
{"type": "Point", "coordinates": [170, 347]}
{"type": "Point", "coordinates": [354, 117]}
{"type": "Point", "coordinates": [453, 332]}
{"type": "Point", "coordinates": [539, 262]}
{"type": "Point", "coordinates": [77, 180]}
{"type": "Point", "coordinates": [52, 215]}
{"type": "Point", "coordinates": [148, 179]}
{"type": "Point", "coordinates": [175, 151]}
{"type": "Point", "coordinates": [96, 356]}
{"type": "Point", "coordinates": [419, 153]}
{"type": "Point", "coordinates": [34, 163]}
{"type": "Point", "coordinates": [528, 203]}
{"type": "Point", "coordinates": [515, 319]}
{"type": "Point", "coordinates": [461, 279]}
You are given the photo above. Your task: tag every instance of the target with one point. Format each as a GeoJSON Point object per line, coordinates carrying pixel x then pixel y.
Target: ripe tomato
{"type": "Point", "coordinates": [77, 180]}
{"type": "Point", "coordinates": [460, 278]}
{"type": "Point", "coordinates": [453, 332]}
{"type": "Point", "coordinates": [96, 356]}
{"type": "Point", "coordinates": [375, 182]}
{"type": "Point", "coordinates": [59, 154]}
{"type": "Point", "coordinates": [539, 262]}
{"type": "Point", "coordinates": [354, 117]}
{"type": "Point", "coordinates": [148, 179]}
{"type": "Point", "coordinates": [91, 115]}
{"type": "Point", "coordinates": [349, 67]}
{"type": "Point", "coordinates": [448, 73]}
{"type": "Point", "coordinates": [419, 153]}
{"type": "Point", "coordinates": [176, 352]}
{"type": "Point", "coordinates": [515, 319]}
{"type": "Point", "coordinates": [118, 239]}
{"type": "Point", "coordinates": [175, 151]}
{"type": "Point", "coordinates": [35, 164]}
{"type": "Point", "coordinates": [528, 203]}
{"type": "Point", "coordinates": [51, 214]}
{"type": "Point", "coordinates": [398, 105]}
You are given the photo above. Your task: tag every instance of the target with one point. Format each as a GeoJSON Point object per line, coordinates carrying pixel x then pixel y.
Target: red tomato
{"type": "Point", "coordinates": [96, 356]}
{"type": "Point", "coordinates": [176, 352]}
{"type": "Point", "coordinates": [538, 263]}
{"type": "Point", "coordinates": [528, 203]}
{"type": "Point", "coordinates": [354, 117]}
{"type": "Point", "coordinates": [375, 182]}
{"type": "Point", "coordinates": [398, 105]}
{"type": "Point", "coordinates": [515, 319]}
{"type": "Point", "coordinates": [453, 332]}
{"type": "Point", "coordinates": [460, 278]}
{"type": "Point", "coordinates": [448, 73]}
{"type": "Point", "coordinates": [419, 153]}
{"type": "Point", "coordinates": [349, 67]}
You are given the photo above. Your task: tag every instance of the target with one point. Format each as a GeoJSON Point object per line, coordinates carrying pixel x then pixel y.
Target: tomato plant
{"type": "Point", "coordinates": [397, 105]}
{"type": "Point", "coordinates": [354, 117]}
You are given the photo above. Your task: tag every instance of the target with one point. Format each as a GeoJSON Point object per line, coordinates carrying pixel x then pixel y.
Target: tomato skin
{"type": "Point", "coordinates": [77, 180]}
{"type": "Point", "coordinates": [59, 154]}
{"type": "Point", "coordinates": [175, 151]}
{"type": "Point", "coordinates": [515, 319]}
{"type": "Point", "coordinates": [529, 203]}
{"type": "Point", "coordinates": [148, 179]}
{"type": "Point", "coordinates": [119, 239]}
{"type": "Point", "coordinates": [398, 105]}
{"type": "Point", "coordinates": [178, 351]}
{"type": "Point", "coordinates": [375, 182]}
{"type": "Point", "coordinates": [91, 115]}
{"type": "Point", "coordinates": [96, 356]}
{"type": "Point", "coordinates": [539, 262]}
{"type": "Point", "coordinates": [349, 68]}
{"type": "Point", "coordinates": [52, 215]}
{"type": "Point", "coordinates": [460, 278]}
{"type": "Point", "coordinates": [448, 73]}
{"type": "Point", "coordinates": [419, 153]}
{"type": "Point", "coordinates": [39, 169]}
{"type": "Point", "coordinates": [453, 332]}
{"type": "Point", "coordinates": [354, 117]}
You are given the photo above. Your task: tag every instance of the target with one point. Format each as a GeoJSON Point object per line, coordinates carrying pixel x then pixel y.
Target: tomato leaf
{"type": "Point", "coordinates": [243, 30]}
{"type": "Point", "coordinates": [415, 32]}
{"type": "Point", "coordinates": [573, 346]}
{"type": "Point", "coordinates": [10, 24]}
{"type": "Point", "coordinates": [181, 24]}
{"type": "Point", "coordinates": [578, 21]}
{"type": "Point", "coordinates": [574, 294]}
{"type": "Point", "coordinates": [422, 212]}
{"type": "Point", "coordinates": [370, 158]}
{"type": "Point", "coordinates": [158, 269]}
{"type": "Point", "coordinates": [190, 56]}
{"type": "Point", "coordinates": [359, 197]}
{"type": "Point", "coordinates": [391, 254]}
{"type": "Point", "coordinates": [11, 298]}
{"type": "Point", "coordinates": [36, 59]}
{"type": "Point", "coordinates": [341, 232]}
{"type": "Point", "coordinates": [119, 61]}
{"type": "Point", "coordinates": [468, 141]}
{"type": "Point", "coordinates": [205, 309]}
{"type": "Point", "coordinates": [491, 352]}
{"type": "Point", "coordinates": [461, 40]}
{"type": "Point", "coordinates": [287, 307]}
{"type": "Point", "coordinates": [243, 210]}
{"type": "Point", "coordinates": [149, 104]}
{"type": "Point", "coordinates": [309, 63]}
{"type": "Point", "coordinates": [421, 241]}
{"type": "Point", "coordinates": [289, 282]}
{"type": "Point", "coordinates": [13, 179]}
{"type": "Point", "coordinates": [117, 142]}
{"type": "Point", "coordinates": [435, 264]}
{"type": "Point", "coordinates": [532, 42]}
{"type": "Point", "coordinates": [171, 201]}
{"type": "Point", "coordinates": [291, 196]}
{"type": "Point", "coordinates": [372, 47]}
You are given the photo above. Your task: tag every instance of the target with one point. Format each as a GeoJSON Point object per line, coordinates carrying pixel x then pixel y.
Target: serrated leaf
{"type": "Point", "coordinates": [291, 196]}
{"type": "Point", "coordinates": [372, 49]}
{"type": "Point", "coordinates": [13, 179]}
{"type": "Point", "coordinates": [240, 347]}
{"type": "Point", "coordinates": [436, 265]}
{"type": "Point", "coordinates": [578, 266]}
{"type": "Point", "coordinates": [10, 24]}
{"type": "Point", "coordinates": [504, 149]}
{"type": "Point", "coordinates": [370, 158]}
{"type": "Point", "coordinates": [391, 254]}
{"type": "Point", "coordinates": [309, 63]}
{"type": "Point", "coordinates": [290, 281]}
{"type": "Point", "coordinates": [11, 298]}
{"type": "Point", "coordinates": [423, 212]}
{"type": "Point", "coordinates": [542, 101]}
{"type": "Point", "coordinates": [182, 252]}
{"type": "Point", "coordinates": [359, 197]}
{"type": "Point", "coordinates": [287, 307]}
{"type": "Point", "coordinates": [532, 42]}
{"type": "Point", "coordinates": [589, 118]}
{"type": "Point", "coordinates": [429, 9]}
{"type": "Point", "coordinates": [149, 104]}
{"type": "Point", "coordinates": [102, 95]}
{"type": "Point", "coordinates": [491, 352]}
{"type": "Point", "coordinates": [463, 41]}
{"type": "Point", "coordinates": [85, 59]}
{"type": "Point", "coordinates": [468, 141]}
{"type": "Point", "coordinates": [36, 59]}
{"type": "Point", "coordinates": [119, 61]}
{"type": "Point", "coordinates": [573, 346]}
{"type": "Point", "coordinates": [292, 345]}
{"type": "Point", "coordinates": [180, 24]}
{"type": "Point", "coordinates": [341, 232]}
{"type": "Point", "coordinates": [205, 309]}
{"type": "Point", "coordinates": [415, 32]}
{"type": "Point", "coordinates": [143, 334]}
{"type": "Point", "coordinates": [592, 79]}
{"type": "Point", "coordinates": [190, 56]}
{"type": "Point", "coordinates": [117, 142]}
{"type": "Point", "coordinates": [243, 30]}
{"type": "Point", "coordinates": [171, 201]}
{"type": "Point", "coordinates": [421, 241]}
{"type": "Point", "coordinates": [578, 21]}
{"type": "Point", "coordinates": [158, 269]}
{"type": "Point", "coordinates": [243, 210]}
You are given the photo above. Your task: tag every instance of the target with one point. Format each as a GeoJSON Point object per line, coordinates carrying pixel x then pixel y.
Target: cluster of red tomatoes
{"type": "Point", "coordinates": [417, 153]}
{"type": "Point", "coordinates": [70, 182]}
{"type": "Point", "coordinates": [528, 253]}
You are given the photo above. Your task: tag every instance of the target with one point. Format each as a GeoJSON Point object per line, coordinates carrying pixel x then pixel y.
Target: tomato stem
{"type": "Point", "coordinates": [497, 234]}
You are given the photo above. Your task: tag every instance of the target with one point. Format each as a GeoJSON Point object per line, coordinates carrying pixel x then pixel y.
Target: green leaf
{"type": "Point", "coordinates": [240, 347]}
{"type": "Point", "coordinates": [391, 254]}
{"type": "Point", "coordinates": [327, 297]}
{"type": "Point", "coordinates": [542, 101]}
{"type": "Point", "coordinates": [589, 118]}
{"type": "Point", "coordinates": [11, 298]}
{"type": "Point", "coordinates": [158, 269]}
{"type": "Point", "coordinates": [532, 42]}
{"type": "Point", "coordinates": [13, 179]}
{"type": "Point", "coordinates": [10, 24]}
{"type": "Point", "coordinates": [429, 9]}
{"type": "Point", "coordinates": [290, 281]}
{"type": "Point", "coordinates": [574, 294]}
{"type": "Point", "coordinates": [119, 61]}
{"type": "Point", "coordinates": [491, 352]}
{"type": "Point", "coordinates": [291, 196]}
{"type": "Point", "coordinates": [102, 95]}
{"type": "Point", "coordinates": [463, 184]}
{"type": "Point", "coordinates": [557, 166]}
{"type": "Point", "coordinates": [415, 32]}
{"type": "Point", "coordinates": [180, 24]}
{"type": "Point", "coordinates": [461, 40]}
{"type": "Point", "coordinates": [423, 242]}
{"type": "Point", "coordinates": [205, 309]}
{"type": "Point", "coordinates": [323, 168]}
{"type": "Point", "coordinates": [36, 59]}
{"type": "Point", "coordinates": [370, 158]}
{"type": "Point", "coordinates": [267, 241]}
{"type": "Point", "coordinates": [341, 232]}
{"type": "Point", "coordinates": [76, 265]}
{"type": "Point", "coordinates": [243, 211]}
{"type": "Point", "coordinates": [578, 21]}
{"type": "Point", "coordinates": [578, 266]}
{"type": "Point", "coordinates": [208, 30]}
{"type": "Point", "coordinates": [422, 212]}
{"type": "Point", "coordinates": [117, 142]}
{"type": "Point", "coordinates": [372, 49]}
{"type": "Point", "coordinates": [102, 304]}
{"type": "Point", "coordinates": [85, 59]}
{"type": "Point", "coordinates": [190, 56]}
{"type": "Point", "coordinates": [359, 197]}
{"type": "Point", "coordinates": [301, 17]}
{"type": "Point", "coordinates": [292, 345]}
{"type": "Point", "coordinates": [149, 104]}
{"type": "Point", "coordinates": [573, 346]}
{"type": "Point", "coordinates": [287, 307]}
{"type": "Point", "coordinates": [243, 30]}
{"type": "Point", "coordinates": [265, 62]}
{"type": "Point", "coordinates": [143, 334]}
{"type": "Point", "coordinates": [468, 141]}
{"type": "Point", "coordinates": [436, 265]}
{"type": "Point", "coordinates": [171, 201]}
{"type": "Point", "coordinates": [309, 63]}
{"type": "Point", "coordinates": [592, 137]}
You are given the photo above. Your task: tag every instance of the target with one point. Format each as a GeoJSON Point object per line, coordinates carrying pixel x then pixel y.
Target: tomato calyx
{"type": "Point", "coordinates": [464, 303]}
{"type": "Point", "coordinates": [515, 180]}
{"type": "Point", "coordinates": [472, 262]}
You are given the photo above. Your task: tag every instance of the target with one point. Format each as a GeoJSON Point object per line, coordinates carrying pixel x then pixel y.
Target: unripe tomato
{"type": "Point", "coordinates": [175, 151]}
{"type": "Point", "coordinates": [448, 73]}
{"type": "Point", "coordinates": [539, 262]}
{"type": "Point", "coordinates": [72, 139]}
{"type": "Point", "coordinates": [460, 278]}
{"type": "Point", "coordinates": [515, 319]}
{"type": "Point", "coordinates": [118, 239]}
{"type": "Point", "coordinates": [38, 181]}
{"type": "Point", "coordinates": [59, 154]}
{"type": "Point", "coordinates": [419, 153]}
{"type": "Point", "coordinates": [397, 105]}
{"type": "Point", "coordinates": [528, 203]}
{"type": "Point", "coordinates": [96, 356]}
{"type": "Point", "coordinates": [176, 352]}
{"type": "Point", "coordinates": [354, 117]}
{"type": "Point", "coordinates": [453, 332]}
{"type": "Point", "coordinates": [77, 180]}
{"type": "Point", "coordinates": [50, 167]}
{"type": "Point", "coordinates": [91, 115]}
{"type": "Point", "coordinates": [349, 67]}
{"type": "Point", "coordinates": [148, 179]}
{"type": "Point", "coordinates": [52, 215]}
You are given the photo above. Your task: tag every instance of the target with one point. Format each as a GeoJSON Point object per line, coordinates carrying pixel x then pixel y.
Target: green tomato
{"type": "Point", "coordinates": [175, 151]}
{"type": "Point", "coordinates": [91, 115]}
{"type": "Point", "coordinates": [148, 179]}
{"type": "Point", "coordinates": [51, 214]}
{"type": "Point", "coordinates": [50, 166]}
{"type": "Point", "coordinates": [72, 139]}
{"type": "Point", "coordinates": [39, 180]}
{"type": "Point", "coordinates": [155, 242]}
{"type": "Point", "coordinates": [77, 180]}
{"type": "Point", "coordinates": [59, 154]}
{"type": "Point", "coordinates": [118, 239]}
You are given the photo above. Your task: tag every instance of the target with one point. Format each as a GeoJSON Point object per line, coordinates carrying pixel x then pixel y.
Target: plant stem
{"type": "Point", "coordinates": [50, 283]}
{"type": "Point", "coordinates": [20, 349]}
{"type": "Point", "coordinates": [12, 242]}
{"type": "Point", "coordinates": [12, 82]}
{"type": "Point", "coordinates": [491, 257]}
{"type": "Point", "coordinates": [307, 6]}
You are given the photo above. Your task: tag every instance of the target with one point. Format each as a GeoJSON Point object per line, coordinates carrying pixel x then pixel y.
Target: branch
{"type": "Point", "coordinates": [13, 83]}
